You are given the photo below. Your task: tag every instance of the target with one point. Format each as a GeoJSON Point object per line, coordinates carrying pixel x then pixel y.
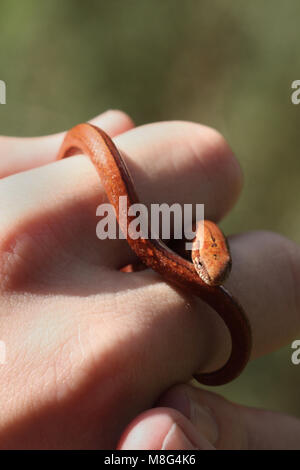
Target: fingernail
{"type": "Point", "coordinates": [157, 432]}
{"type": "Point", "coordinates": [199, 414]}
{"type": "Point", "coordinates": [176, 439]}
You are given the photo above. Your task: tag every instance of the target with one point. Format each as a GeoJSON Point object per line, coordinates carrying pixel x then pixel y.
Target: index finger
{"type": "Point", "coordinates": [20, 154]}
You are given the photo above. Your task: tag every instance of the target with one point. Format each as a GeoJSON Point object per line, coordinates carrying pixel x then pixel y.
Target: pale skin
{"type": "Point", "coordinates": [96, 357]}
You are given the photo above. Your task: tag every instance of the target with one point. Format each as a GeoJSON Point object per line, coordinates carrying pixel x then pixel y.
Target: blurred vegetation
{"type": "Point", "coordinates": [228, 64]}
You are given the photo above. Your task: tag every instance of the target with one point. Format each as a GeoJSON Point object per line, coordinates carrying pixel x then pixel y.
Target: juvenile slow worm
{"type": "Point", "coordinates": [97, 145]}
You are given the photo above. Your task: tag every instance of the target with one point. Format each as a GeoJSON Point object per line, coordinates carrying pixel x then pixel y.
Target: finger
{"type": "Point", "coordinates": [265, 279]}
{"type": "Point", "coordinates": [72, 186]}
{"type": "Point", "coordinates": [182, 162]}
{"type": "Point", "coordinates": [162, 429]}
{"type": "Point", "coordinates": [230, 426]}
{"type": "Point", "coordinates": [20, 154]}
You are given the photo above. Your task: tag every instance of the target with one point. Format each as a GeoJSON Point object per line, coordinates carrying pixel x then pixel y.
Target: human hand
{"type": "Point", "coordinates": [90, 348]}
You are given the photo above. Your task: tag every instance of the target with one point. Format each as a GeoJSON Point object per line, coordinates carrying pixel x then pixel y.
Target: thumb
{"type": "Point", "coordinates": [162, 429]}
{"type": "Point", "coordinates": [236, 426]}
{"type": "Point", "coordinates": [191, 418]}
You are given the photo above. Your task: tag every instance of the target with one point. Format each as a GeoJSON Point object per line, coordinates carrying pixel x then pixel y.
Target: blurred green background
{"type": "Point", "coordinates": [228, 64]}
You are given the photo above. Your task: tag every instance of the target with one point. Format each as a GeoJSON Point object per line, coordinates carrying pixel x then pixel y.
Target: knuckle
{"type": "Point", "coordinates": [120, 116]}
{"type": "Point", "coordinates": [211, 146]}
